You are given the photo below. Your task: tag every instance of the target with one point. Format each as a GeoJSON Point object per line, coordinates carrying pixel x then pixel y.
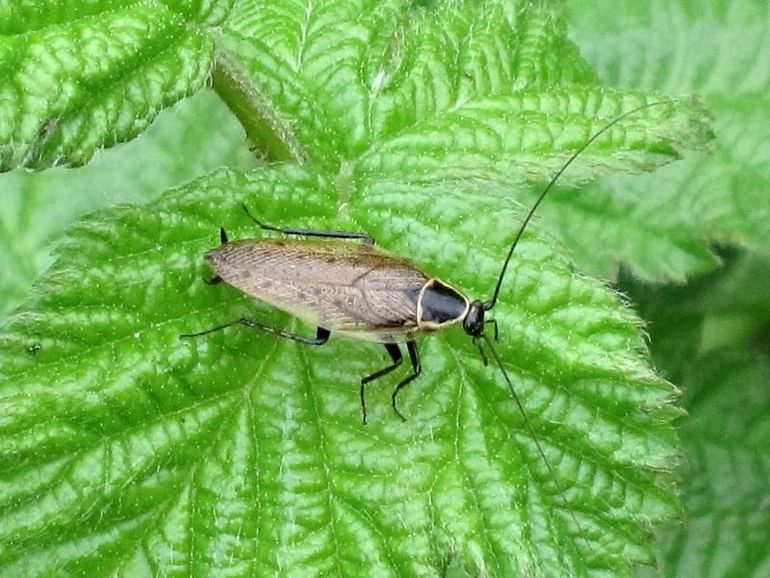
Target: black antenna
{"type": "Point", "coordinates": [491, 303]}
{"type": "Point", "coordinates": [532, 433]}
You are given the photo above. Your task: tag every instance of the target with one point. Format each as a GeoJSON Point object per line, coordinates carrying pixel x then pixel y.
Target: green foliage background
{"type": "Point", "coordinates": [126, 452]}
{"type": "Point", "coordinates": [709, 334]}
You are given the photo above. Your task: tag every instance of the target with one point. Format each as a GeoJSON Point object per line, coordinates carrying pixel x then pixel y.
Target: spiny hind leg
{"type": "Point", "coordinates": [414, 357]}
{"type": "Point", "coordinates": [321, 337]}
{"type": "Point", "coordinates": [395, 354]}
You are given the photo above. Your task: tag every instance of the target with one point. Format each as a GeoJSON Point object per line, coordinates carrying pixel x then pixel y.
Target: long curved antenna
{"type": "Point", "coordinates": [532, 433]}
{"type": "Point", "coordinates": [491, 303]}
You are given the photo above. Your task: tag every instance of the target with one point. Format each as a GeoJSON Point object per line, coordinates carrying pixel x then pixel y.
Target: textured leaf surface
{"type": "Point", "coordinates": [717, 49]}
{"type": "Point", "coordinates": [134, 443]}
{"type": "Point", "coordinates": [128, 451]}
{"type": "Point", "coordinates": [403, 92]}
{"type": "Point", "coordinates": [81, 76]}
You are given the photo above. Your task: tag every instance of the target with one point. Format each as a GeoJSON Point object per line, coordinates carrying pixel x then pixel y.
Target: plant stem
{"type": "Point", "coordinates": [269, 135]}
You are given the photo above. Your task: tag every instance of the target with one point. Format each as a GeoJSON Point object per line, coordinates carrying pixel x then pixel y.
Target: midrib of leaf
{"type": "Point", "coordinates": [469, 471]}
{"type": "Point", "coordinates": [325, 462]}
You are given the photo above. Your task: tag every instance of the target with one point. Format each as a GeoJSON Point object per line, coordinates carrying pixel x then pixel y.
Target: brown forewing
{"type": "Point", "coordinates": [343, 286]}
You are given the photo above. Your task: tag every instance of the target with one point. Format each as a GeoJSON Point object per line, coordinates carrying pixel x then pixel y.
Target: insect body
{"type": "Point", "coordinates": [341, 286]}
{"type": "Point", "coordinates": [345, 287]}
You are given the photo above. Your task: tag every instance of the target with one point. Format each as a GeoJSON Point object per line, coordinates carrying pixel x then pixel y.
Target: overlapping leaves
{"type": "Point", "coordinates": [126, 450]}
{"type": "Point", "coordinates": [716, 49]}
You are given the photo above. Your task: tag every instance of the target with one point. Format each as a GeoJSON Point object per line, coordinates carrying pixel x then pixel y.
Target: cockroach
{"type": "Point", "coordinates": [361, 292]}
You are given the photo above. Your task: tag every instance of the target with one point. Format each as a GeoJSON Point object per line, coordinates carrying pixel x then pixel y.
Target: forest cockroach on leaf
{"type": "Point", "coordinates": [354, 289]}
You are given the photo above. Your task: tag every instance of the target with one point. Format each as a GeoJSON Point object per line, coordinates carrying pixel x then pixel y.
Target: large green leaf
{"type": "Point", "coordinates": [126, 450]}
{"type": "Point", "coordinates": [131, 443]}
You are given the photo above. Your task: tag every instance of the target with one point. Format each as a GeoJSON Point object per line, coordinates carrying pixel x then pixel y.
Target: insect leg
{"type": "Point", "coordinates": [223, 238]}
{"type": "Point", "coordinates": [414, 357]}
{"type": "Point", "coordinates": [484, 359]}
{"type": "Point", "coordinates": [365, 237]}
{"type": "Point", "coordinates": [395, 354]}
{"type": "Point", "coordinates": [212, 330]}
{"type": "Point", "coordinates": [322, 335]}
{"type": "Point", "coordinates": [497, 329]}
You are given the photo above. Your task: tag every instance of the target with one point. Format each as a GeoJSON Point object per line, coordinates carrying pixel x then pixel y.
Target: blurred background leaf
{"type": "Point", "coordinates": [718, 49]}
{"type": "Point", "coordinates": [189, 140]}
{"type": "Point", "coordinates": [711, 335]}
